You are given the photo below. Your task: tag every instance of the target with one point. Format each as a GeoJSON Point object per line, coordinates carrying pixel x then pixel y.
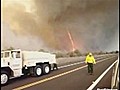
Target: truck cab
{"type": "Point", "coordinates": [15, 63]}
{"type": "Point", "coordinates": [11, 65]}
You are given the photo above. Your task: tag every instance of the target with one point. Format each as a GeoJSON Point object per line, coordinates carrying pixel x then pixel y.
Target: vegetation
{"type": "Point", "coordinates": [58, 55]}
{"type": "Point", "coordinates": [41, 50]}
{"type": "Point", "coordinates": [10, 48]}
{"type": "Point", "coordinates": [75, 53]}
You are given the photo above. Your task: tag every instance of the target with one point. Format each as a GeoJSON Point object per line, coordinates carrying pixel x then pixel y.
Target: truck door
{"type": "Point", "coordinates": [16, 63]}
{"type": "Point", "coordinates": [5, 59]}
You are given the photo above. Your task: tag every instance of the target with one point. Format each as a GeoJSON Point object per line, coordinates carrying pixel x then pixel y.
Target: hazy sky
{"type": "Point", "coordinates": [43, 24]}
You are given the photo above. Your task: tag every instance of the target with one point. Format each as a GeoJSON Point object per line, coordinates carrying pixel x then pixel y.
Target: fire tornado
{"type": "Point", "coordinates": [71, 40]}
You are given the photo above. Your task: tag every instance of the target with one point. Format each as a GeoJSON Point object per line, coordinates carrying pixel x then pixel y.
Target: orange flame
{"type": "Point", "coordinates": [72, 42]}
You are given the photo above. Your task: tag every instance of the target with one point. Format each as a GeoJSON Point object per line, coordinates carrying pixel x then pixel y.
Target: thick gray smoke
{"type": "Point", "coordinates": [93, 25]}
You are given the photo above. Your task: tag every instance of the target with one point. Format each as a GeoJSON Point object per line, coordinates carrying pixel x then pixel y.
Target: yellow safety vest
{"type": "Point", "coordinates": [90, 59]}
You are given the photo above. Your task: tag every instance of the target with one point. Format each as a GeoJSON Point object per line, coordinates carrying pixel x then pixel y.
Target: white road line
{"type": "Point", "coordinates": [64, 66]}
{"type": "Point", "coordinates": [53, 77]}
{"type": "Point", "coordinates": [101, 76]}
{"type": "Point", "coordinates": [69, 65]}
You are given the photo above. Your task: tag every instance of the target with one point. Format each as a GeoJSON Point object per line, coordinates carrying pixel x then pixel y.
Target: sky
{"type": "Point", "coordinates": [44, 24]}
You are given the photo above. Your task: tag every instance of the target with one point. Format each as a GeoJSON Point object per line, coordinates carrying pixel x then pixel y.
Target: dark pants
{"type": "Point", "coordinates": [55, 66]}
{"type": "Point", "coordinates": [90, 67]}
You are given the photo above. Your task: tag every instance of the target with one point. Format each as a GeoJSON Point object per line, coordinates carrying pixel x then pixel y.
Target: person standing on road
{"type": "Point", "coordinates": [55, 66]}
{"type": "Point", "coordinates": [90, 61]}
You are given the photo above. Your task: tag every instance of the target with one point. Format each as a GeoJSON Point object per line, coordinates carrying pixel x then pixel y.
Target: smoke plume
{"type": "Point", "coordinates": [35, 24]}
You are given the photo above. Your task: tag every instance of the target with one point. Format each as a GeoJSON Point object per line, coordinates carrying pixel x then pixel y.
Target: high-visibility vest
{"type": "Point", "coordinates": [90, 59]}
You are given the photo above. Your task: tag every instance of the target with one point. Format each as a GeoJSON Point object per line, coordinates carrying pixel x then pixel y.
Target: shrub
{"type": "Point", "coordinates": [58, 55]}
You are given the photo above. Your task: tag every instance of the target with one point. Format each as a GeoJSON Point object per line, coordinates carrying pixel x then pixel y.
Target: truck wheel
{"type": "Point", "coordinates": [37, 70]}
{"type": "Point", "coordinates": [46, 68]}
{"type": "Point", "coordinates": [4, 77]}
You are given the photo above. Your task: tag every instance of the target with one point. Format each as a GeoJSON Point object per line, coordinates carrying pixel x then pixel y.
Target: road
{"type": "Point", "coordinates": [70, 77]}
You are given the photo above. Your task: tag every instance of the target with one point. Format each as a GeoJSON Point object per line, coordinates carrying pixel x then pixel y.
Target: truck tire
{"type": "Point", "coordinates": [4, 77]}
{"type": "Point", "coordinates": [46, 69]}
{"type": "Point", "coordinates": [37, 70]}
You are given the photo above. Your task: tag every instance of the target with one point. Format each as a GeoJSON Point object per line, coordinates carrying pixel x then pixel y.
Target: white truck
{"type": "Point", "coordinates": [15, 63]}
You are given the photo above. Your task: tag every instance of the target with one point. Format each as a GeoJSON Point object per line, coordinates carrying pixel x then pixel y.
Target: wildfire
{"type": "Point", "coordinates": [72, 42]}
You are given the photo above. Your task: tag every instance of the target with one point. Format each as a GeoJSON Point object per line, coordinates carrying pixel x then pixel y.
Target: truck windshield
{"type": "Point", "coordinates": [1, 55]}
{"type": "Point", "coordinates": [7, 54]}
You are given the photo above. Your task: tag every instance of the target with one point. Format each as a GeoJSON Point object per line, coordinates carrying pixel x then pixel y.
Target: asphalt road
{"type": "Point", "coordinates": [74, 77]}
